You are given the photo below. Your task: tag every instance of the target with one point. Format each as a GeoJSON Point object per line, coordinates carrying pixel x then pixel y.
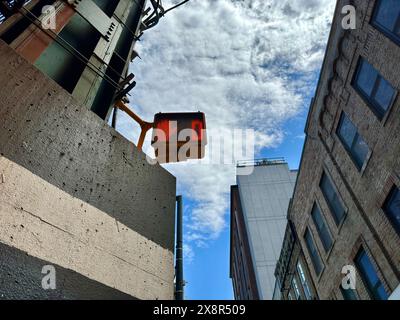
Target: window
{"type": "Point", "coordinates": [290, 296]}
{"type": "Point", "coordinates": [377, 91]}
{"type": "Point", "coordinates": [370, 277]}
{"type": "Point", "coordinates": [392, 208]}
{"type": "Point", "coordinates": [312, 250]}
{"type": "Point", "coordinates": [304, 282]}
{"type": "Point", "coordinates": [352, 141]}
{"type": "Point", "coordinates": [348, 294]}
{"type": "Point", "coordinates": [332, 198]}
{"type": "Point", "coordinates": [387, 18]}
{"type": "Point", "coordinates": [296, 289]}
{"type": "Point", "coordinates": [322, 228]}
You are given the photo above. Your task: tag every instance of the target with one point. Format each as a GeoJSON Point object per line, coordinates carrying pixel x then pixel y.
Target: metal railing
{"type": "Point", "coordinates": [261, 162]}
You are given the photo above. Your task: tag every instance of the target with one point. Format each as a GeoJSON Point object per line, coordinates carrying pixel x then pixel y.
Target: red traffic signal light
{"type": "Point", "coordinates": [176, 136]}
{"type": "Point", "coordinates": [179, 136]}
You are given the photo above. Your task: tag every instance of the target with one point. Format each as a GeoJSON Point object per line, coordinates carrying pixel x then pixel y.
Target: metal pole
{"type": "Point", "coordinates": [179, 282]}
{"type": "Point", "coordinates": [114, 118]}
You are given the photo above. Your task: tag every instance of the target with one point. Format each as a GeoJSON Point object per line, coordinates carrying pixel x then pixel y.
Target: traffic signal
{"type": "Point", "coordinates": [179, 136]}
{"type": "Point", "coordinates": [176, 137]}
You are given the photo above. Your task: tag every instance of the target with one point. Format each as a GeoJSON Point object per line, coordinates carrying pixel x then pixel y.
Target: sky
{"type": "Point", "coordinates": [247, 64]}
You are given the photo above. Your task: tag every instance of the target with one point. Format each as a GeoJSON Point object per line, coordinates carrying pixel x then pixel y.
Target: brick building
{"type": "Point", "coordinates": [293, 278]}
{"type": "Point", "coordinates": [345, 209]}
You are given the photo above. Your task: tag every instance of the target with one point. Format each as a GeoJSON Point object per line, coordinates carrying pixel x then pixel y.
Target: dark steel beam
{"type": "Point", "coordinates": [179, 282]}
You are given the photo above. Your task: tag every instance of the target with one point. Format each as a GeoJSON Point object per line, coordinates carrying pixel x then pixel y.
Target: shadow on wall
{"type": "Point", "coordinates": [21, 278]}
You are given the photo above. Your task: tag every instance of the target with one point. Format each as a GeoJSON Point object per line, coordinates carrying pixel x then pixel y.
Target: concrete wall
{"type": "Point", "coordinates": [362, 192]}
{"type": "Point", "coordinates": [265, 196]}
{"type": "Point", "coordinates": [74, 178]}
{"type": "Point", "coordinates": [21, 278]}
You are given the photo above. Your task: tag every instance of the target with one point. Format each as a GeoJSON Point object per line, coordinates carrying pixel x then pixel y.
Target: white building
{"type": "Point", "coordinates": [264, 197]}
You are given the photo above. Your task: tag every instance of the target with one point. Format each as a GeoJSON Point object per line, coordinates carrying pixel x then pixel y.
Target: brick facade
{"type": "Point", "coordinates": [362, 192]}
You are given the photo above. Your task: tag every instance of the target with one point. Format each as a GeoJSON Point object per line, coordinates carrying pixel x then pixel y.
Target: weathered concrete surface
{"type": "Point", "coordinates": [44, 130]}
{"type": "Point", "coordinates": [46, 222]}
{"type": "Point", "coordinates": [21, 278]}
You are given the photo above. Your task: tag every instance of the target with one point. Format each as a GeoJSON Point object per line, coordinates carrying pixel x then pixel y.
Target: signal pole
{"type": "Point", "coordinates": [179, 293]}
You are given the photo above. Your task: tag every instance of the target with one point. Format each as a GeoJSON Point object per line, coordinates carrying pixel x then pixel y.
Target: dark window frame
{"type": "Point", "coordinates": [338, 221]}
{"type": "Point", "coordinates": [349, 294]}
{"type": "Point", "coordinates": [304, 281]}
{"type": "Point", "coordinates": [373, 105]}
{"type": "Point", "coordinates": [320, 230]}
{"type": "Point", "coordinates": [388, 33]}
{"type": "Point", "coordinates": [317, 255]}
{"type": "Point", "coordinates": [350, 150]}
{"type": "Point", "coordinates": [372, 289]}
{"type": "Point", "coordinates": [393, 191]}
{"type": "Point", "coordinates": [296, 288]}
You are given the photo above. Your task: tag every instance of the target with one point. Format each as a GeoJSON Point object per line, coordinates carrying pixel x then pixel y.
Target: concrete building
{"type": "Point", "coordinates": [259, 204]}
{"type": "Point", "coordinates": [345, 208]}
{"type": "Point", "coordinates": [74, 193]}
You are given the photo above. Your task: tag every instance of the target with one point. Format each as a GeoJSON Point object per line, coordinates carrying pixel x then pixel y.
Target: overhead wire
{"type": "Point", "coordinates": [124, 25]}
{"type": "Point", "coordinates": [73, 51]}
{"type": "Point", "coordinates": [176, 6]}
{"type": "Point", "coordinates": [159, 12]}
{"type": "Point", "coordinates": [152, 20]}
{"type": "Point", "coordinates": [119, 20]}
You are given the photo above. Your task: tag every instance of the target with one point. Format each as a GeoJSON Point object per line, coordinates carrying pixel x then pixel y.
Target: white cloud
{"type": "Point", "coordinates": [246, 64]}
{"type": "Point", "coordinates": [188, 254]}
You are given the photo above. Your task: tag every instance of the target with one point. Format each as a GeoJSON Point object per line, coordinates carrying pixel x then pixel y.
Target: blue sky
{"type": "Point", "coordinates": [248, 64]}
{"type": "Point", "coordinates": [208, 274]}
